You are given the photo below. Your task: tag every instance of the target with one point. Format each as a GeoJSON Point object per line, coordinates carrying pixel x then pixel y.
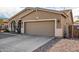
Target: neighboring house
{"type": "Point", "coordinates": [3, 24]}
{"type": "Point", "coordinates": [41, 21]}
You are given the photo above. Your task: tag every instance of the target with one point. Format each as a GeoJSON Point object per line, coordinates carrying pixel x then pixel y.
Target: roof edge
{"type": "Point", "coordinates": [38, 8]}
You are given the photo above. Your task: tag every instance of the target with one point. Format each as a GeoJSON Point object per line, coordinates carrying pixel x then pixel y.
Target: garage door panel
{"type": "Point", "coordinates": [45, 28]}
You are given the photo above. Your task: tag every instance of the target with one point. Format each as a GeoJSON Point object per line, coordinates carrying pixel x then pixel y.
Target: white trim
{"type": "Point", "coordinates": [22, 29]}
{"type": "Point", "coordinates": [39, 20]}
{"type": "Point", "coordinates": [58, 31]}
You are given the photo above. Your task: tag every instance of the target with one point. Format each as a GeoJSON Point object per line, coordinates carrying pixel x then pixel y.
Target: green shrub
{"type": "Point", "coordinates": [6, 30]}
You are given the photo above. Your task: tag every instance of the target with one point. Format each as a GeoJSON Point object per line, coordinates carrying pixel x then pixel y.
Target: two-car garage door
{"type": "Point", "coordinates": [44, 28]}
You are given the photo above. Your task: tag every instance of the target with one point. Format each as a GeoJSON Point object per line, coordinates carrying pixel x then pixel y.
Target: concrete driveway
{"type": "Point", "coordinates": [21, 43]}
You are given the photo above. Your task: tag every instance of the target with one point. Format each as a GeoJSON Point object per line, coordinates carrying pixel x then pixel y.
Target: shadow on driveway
{"type": "Point", "coordinates": [5, 35]}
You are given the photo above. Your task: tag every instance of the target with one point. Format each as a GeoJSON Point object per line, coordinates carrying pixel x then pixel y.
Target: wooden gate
{"type": "Point", "coordinates": [74, 31]}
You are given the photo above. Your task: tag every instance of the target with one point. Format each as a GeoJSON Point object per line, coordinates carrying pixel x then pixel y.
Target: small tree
{"type": "Point", "coordinates": [13, 25]}
{"type": "Point", "coordinates": [77, 21]}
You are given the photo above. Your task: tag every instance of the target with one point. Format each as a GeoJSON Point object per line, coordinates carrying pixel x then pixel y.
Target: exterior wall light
{"type": "Point", "coordinates": [58, 21]}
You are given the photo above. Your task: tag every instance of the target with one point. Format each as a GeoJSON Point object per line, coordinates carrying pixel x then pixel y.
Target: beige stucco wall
{"type": "Point", "coordinates": [65, 23]}
{"type": "Point", "coordinates": [18, 17]}
{"type": "Point", "coordinates": [36, 15]}
{"type": "Point", "coordinates": [41, 15]}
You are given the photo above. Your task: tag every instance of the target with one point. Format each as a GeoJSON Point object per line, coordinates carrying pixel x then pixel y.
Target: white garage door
{"type": "Point", "coordinates": [44, 28]}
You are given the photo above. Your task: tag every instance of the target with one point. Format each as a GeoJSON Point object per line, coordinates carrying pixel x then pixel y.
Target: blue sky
{"type": "Point", "coordinates": [11, 7]}
{"type": "Point", "coordinates": [6, 12]}
{"type": "Point", "coordinates": [10, 11]}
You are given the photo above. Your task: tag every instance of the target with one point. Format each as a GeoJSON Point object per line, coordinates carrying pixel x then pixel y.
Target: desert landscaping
{"type": "Point", "coordinates": [65, 45]}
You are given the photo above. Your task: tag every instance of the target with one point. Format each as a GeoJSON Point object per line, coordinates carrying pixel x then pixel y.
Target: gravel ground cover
{"type": "Point", "coordinates": [65, 45]}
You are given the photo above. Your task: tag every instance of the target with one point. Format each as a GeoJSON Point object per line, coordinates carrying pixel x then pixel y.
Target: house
{"type": "Point", "coordinates": [3, 24]}
{"type": "Point", "coordinates": [41, 21]}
